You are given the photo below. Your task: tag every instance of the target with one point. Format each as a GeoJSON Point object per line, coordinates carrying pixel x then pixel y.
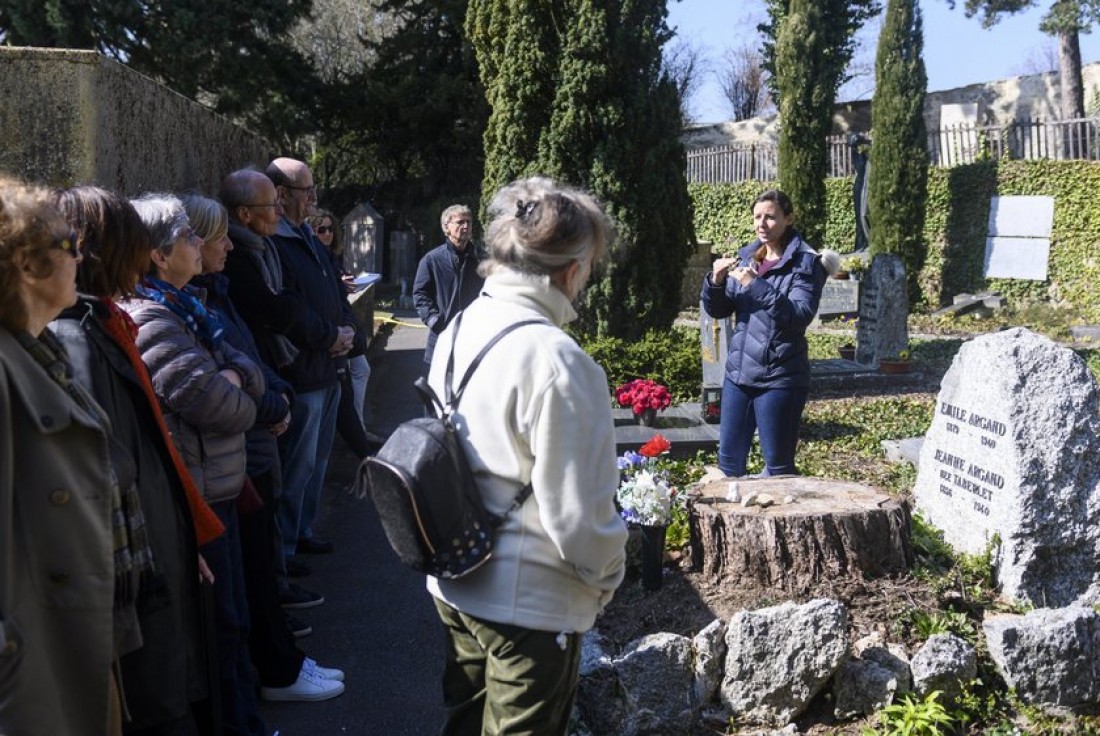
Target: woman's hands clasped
{"type": "Point", "coordinates": [744, 275]}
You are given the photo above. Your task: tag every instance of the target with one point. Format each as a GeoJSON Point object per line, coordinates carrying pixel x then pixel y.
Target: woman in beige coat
{"type": "Point", "coordinates": [67, 575]}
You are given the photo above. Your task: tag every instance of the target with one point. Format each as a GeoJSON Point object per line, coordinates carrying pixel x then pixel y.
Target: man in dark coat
{"type": "Point", "coordinates": [324, 328]}
{"type": "Point", "coordinates": [446, 277]}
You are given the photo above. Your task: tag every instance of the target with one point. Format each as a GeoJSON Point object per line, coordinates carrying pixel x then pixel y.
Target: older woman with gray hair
{"type": "Point", "coordinates": [209, 392]}
{"type": "Point", "coordinates": [535, 411]}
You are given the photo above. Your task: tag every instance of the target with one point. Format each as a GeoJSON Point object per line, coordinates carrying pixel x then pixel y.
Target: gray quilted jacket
{"type": "Point", "coordinates": [207, 415]}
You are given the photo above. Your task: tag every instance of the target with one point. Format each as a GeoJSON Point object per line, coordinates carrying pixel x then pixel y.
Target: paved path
{"type": "Point", "coordinates": [377, 623]}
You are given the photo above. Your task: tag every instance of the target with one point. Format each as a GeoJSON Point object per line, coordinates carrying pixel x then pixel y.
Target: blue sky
{"type": "Point", "coordinates": [957, 51]}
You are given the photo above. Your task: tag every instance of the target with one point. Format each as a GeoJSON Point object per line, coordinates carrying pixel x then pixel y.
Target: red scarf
{"type": "Point", "coordinates": [120, 327]}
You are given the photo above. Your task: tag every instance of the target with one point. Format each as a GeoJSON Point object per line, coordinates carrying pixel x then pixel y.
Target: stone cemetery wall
{"type": "Point", "coordinates": [75, 117]}
{"type": "Point", "coordinates": [1013, 452]}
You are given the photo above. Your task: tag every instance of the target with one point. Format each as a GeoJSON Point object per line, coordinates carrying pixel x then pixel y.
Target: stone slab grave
{"type": "Point", "coordinates": [983, 305]}
{"type": "Point", "coordinates": [883, 310]}
{"type": "Point", "coordinates": [680, 424]}
{"type": "Point", "coordinates": [1013, 453]}
{"type": "Point", "coordinates": [789, 533]}
{"type": "Point", "coordinates": [838, 297]}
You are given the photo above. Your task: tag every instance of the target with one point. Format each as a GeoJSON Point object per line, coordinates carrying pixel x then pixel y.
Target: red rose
{"type": "Point", "coordinates": [656, 446]}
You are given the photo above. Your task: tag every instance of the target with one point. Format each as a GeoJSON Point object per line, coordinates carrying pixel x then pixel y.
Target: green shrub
{"type": "Point", "coordinates": [671, 357]}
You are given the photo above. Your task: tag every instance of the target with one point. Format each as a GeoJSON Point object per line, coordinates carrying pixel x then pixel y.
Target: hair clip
{"type": "Point", "coordinates": [524, 209]}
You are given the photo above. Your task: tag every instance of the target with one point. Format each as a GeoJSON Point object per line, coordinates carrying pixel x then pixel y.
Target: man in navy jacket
{"type": "Point", "coordinates": [324, 328]}
{"type": "Point", "coordinates": [446, 277]}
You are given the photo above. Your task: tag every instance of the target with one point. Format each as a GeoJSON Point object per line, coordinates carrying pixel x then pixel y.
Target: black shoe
{"type": "Point", "coordinates": [295, 596]}
{"type": "Point", "coordinates": [298, 627]}
{"type": "Point", "coordinates": [295, 568]}
{"type": "Point", "coordinates": [315, 546]}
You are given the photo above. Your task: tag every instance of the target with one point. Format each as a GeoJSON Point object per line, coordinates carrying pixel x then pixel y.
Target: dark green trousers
{"type": "Point", "coordinates": [502, 680]}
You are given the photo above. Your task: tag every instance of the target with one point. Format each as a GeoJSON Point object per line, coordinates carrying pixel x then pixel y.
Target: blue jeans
{"type": "Point", "coordinates": [305, 448]}
{"type": "Point", "coordinates": [774, 412]}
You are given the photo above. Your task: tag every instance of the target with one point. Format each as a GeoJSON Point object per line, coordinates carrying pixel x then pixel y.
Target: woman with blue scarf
{"type": "Point", "coordinates": [208, 391]}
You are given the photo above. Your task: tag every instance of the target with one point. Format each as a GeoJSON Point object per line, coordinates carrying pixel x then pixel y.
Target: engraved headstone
{"type": "Point", "coordinates": [838, 297]}
{"type": "Point", "coordinates": [1013, 452]}
{"type": "Point", "coordinates": [882, 329]}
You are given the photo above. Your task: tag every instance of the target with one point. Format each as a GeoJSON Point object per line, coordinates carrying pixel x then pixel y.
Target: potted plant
{"type": "Point", "coordinates": [896, 363]}
{"type": "Point", "coordinates": [854, 266]}
{"type": "Point", "coordinates": [645, 397]}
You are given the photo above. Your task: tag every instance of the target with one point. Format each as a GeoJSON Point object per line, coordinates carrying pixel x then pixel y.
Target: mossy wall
{"type": "Point", "coordinates": [76, 117]}
{"type": "Point", "coordinates": [955, 229]}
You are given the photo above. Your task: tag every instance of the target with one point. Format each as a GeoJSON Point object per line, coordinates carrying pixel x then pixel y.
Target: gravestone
{"type": "Point", "coordinates": [363, 228]}
{"type": "Point", "coordinates": [883, 311]}
{"type": "Point", "coordinates": [1013, 452]}
{"type": "Point", "coordinates": [714, 340]}
{"type": "Point", "coordinates": [838, 297]}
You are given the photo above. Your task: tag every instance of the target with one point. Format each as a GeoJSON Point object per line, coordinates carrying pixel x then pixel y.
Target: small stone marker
{"type": "Point", "coordinates": [1013, 451]}
{"type": "Point", "coordinates": [838, 297]}
{"type": "Point", "coordinates": [883, 311]}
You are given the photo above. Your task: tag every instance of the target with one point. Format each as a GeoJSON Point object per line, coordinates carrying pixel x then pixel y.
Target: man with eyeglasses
{"type": "Point", "coordinates": [325, 328]}
{"type": "Point", "coordinates": [446, 277]}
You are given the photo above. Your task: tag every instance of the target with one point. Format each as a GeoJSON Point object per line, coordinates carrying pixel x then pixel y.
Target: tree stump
{"type": "Point", "coordinates": [814, 530]}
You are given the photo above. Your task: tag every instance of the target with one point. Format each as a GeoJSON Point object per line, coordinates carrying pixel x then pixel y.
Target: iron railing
{"type": "Point", "coordinates": [1077, 139]}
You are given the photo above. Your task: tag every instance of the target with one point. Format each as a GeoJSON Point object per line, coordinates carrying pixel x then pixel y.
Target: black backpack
{"type": "Point", "coordinates": [423, 488]}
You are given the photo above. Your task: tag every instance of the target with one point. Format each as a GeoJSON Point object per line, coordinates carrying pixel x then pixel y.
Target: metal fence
{"type": "Point", "coordinates": [951, 146]}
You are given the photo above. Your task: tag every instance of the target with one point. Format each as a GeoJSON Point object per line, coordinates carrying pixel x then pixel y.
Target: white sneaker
{"type": "Point", "coordinates": [325, 673]}
{"type": "Point", "coordinates": [307, 688]}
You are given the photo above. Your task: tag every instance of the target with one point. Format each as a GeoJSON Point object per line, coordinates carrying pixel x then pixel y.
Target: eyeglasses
{"type": "Point", "coordinates": [67, 244]}
{"type": "Point", "coordinates": [273, 204]}
{"type": "Point", "coordinates": [311, 189]}
{"type": "Point", "coordinates": [324, 229]}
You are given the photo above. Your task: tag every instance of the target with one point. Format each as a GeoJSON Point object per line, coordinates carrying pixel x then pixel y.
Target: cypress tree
{"type": "Point", "coordinates": [806, 96]}
{"type": "Point", "coordinates": [898, 179]}
{"type": "Point", "coordinates": [611, 124]}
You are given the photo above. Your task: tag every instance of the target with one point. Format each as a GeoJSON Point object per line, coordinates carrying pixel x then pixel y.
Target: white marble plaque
{"type": "Point", "coordinates": [1018, 244]}
{"type": "Point", "coordinates": [1017, 258]}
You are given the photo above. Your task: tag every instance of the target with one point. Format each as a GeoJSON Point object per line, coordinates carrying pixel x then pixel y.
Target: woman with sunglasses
{"type": "Point", "coordinates": [168, 677]}
{"type": "Point", "coordinates": [353, 369]}
{"type": "Point", "coordinates": [71, 549]}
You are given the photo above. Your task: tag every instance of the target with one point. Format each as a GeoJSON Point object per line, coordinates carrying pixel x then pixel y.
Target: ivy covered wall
{"type": "Point", "coordinates": [955, 228]}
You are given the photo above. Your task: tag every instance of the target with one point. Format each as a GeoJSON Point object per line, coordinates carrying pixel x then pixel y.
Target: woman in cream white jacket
{"type": "Point", "coordinates": [536, 410]}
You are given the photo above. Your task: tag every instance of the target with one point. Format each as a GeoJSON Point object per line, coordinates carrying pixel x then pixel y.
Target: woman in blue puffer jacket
{"type": "Point", "coordinates": [773, 286]}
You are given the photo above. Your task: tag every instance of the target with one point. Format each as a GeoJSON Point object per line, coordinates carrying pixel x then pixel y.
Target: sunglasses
{"type": "Point", "coordinates": [324, 229]}
{"type": "Point", "coordinates": [67, 244]}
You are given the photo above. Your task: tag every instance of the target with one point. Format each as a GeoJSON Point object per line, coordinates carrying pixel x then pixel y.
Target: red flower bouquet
{"type": "Point", "coordinates": [643, 393]}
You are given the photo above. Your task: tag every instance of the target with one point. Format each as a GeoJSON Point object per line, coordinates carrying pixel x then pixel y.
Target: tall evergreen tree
{"type": "Point", "coordinates": [517, 45]}
{"type": "Point", "coordinates": [590, 94]}
{"type": "Point", "coordinates": [806, 96]}
{"type": "Point", "coordinates": [839, 21]}
{"type": "Point", "coordinates": [898, 179]}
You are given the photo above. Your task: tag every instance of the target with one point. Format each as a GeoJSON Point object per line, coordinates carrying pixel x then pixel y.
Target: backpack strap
{"type": "Point", "coordinates": [451, 397]}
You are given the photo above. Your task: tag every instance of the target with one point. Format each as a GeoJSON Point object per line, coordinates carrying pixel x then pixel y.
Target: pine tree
{"type": "Point", "coordinates": [806, 96]}
{"type": "Point", "coordinates": [898, 179]}
{"type": "Point", "coordinates": [602, 116]}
